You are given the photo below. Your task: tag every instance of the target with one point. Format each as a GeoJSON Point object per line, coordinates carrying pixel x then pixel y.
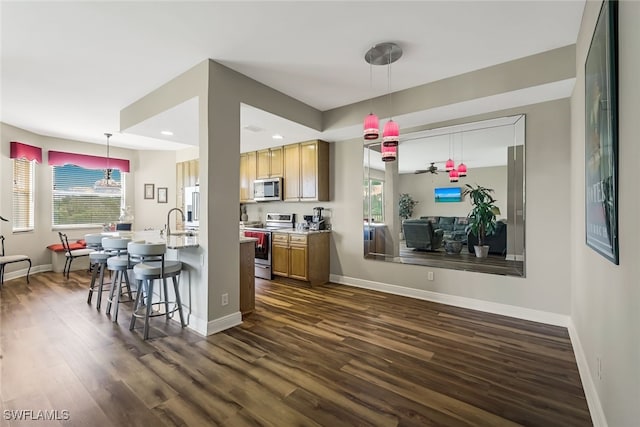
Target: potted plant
{"type": "Point", "coordinates": [482, 218]}
{"type": "Point", "coordinates": [406, 204]}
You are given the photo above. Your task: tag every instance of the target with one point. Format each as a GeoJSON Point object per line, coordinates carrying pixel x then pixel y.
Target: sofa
{"type": "Point", "coordinates": [497, 241]}
{"type": "Point", "coordinates": [419, 234]}
{"type": "Point", "coordinates": [453, 227]}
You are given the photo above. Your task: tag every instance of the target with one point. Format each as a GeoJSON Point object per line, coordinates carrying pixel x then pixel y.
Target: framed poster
{"type": "Point", "coordinates": [162, 194]}
{"type": "Point", "coordinates": [149, 191]}
{"type": "Point", "coordinates": [601, 135]}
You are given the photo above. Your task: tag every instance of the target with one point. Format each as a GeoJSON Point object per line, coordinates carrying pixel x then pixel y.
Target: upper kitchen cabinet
{"type": "Point", "coordinates": [306, 171]}
{"type": "Point", "coordinates": [270, 163]}
{"type": "Point", "coordinates": [247, 175]}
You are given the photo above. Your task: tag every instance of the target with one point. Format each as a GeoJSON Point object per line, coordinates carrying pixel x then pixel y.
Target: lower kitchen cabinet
{"type": "Point", "coordinates": [303, 257]}
{"type": "Point", "coordinates": [247, 277]}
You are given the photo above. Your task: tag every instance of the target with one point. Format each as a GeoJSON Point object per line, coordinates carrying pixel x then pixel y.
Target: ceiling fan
{"type": "Point", "coordinates": [431, 169]}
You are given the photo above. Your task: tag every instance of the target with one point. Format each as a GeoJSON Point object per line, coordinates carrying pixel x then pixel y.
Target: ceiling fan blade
{"type": "Point", "coordinates": [419, 171]}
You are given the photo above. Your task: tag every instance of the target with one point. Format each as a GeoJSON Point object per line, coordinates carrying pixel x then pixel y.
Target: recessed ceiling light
{"type": "Point", "coordinates": [277, 136]}
{"type": "Point", "coordinates": [253, 128]}
{"type": "Point", "coordinates": [167, 132]}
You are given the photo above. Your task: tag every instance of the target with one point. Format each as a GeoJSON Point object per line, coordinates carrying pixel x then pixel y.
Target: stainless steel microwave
{"type": "Point", "coordinates": [267, 189]}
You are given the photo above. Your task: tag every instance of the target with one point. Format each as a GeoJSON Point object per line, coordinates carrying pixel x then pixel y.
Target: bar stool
{"type": "Point", "coordinates": [98, 262]}
{"type": "Point", "coordinates": [119, 264]}
{"type": "Point", "coordinates": [152, 267]}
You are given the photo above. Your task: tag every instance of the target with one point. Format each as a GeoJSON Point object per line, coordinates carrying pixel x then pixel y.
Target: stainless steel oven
{"type": "Point", "coordinates": [274, 221]}
{"type": "Point", "coordinates": [263, 251]}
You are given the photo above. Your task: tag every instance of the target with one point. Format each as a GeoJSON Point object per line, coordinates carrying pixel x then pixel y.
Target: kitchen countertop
{"type": "Point", "coordinates": [177, 241]}
{"type": "Point", "coordinates": [294, 231]}
{"type": "Point", "coordinates": [286, 230]}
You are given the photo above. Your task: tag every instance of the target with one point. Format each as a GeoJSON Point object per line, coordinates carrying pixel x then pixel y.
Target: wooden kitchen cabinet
{"type": "Point", "coordinates": [303, 257]}
{"type": "Point", "coordinates": [270, 163]}
{"type": "Point", "coordinates": [280, 254]}
{"type": "Point", "coordinates": [298, 262]}
{"type": "Point", "coordinates": [247, 277]}
{"type": "Point", "coordinates": [306, 171]}
{"type": "Point", "coordinates": [292, 172]}
{"type": "Point", "coordinates": [247, 175]}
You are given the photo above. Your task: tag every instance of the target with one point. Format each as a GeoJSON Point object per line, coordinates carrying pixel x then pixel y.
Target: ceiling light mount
{"type": "Point", "coordinates": [383, 54]}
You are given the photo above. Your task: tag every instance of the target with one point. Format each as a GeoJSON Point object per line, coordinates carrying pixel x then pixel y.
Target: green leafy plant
{"type": "Point", "coordinates": [482, 218]}
{"type": "Point", "coordinates": [406, 204]}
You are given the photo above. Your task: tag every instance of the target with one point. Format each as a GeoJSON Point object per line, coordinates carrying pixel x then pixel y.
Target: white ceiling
{"type": "Point", "coordinates": [68, 68]}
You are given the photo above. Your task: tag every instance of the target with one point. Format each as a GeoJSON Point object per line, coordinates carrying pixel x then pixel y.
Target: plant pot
{"type": "Point", "coordinates": [481, 251]}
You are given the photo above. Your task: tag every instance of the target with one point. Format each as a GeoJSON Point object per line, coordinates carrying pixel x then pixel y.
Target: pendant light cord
{"type": "Point", "coordinates": [370, 83]}
{"type": "Point", "coordinates": [389, 86]}
{"type": "Point", "coordinates": [108, 171]}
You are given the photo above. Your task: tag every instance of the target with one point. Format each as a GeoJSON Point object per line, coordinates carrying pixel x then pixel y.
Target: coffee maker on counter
{"type": "Point", "coordinates": [317, 221]}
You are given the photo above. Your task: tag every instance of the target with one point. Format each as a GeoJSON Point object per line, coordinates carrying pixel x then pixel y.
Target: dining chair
{"type": "Point", "coordinates": [8, 259]}
{"type": "Point", "coordinates": [71, 254]}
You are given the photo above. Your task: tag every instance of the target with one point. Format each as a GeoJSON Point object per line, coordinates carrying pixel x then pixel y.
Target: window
{"type": "Point", "coordinates": [374, 205]}
{"type": "Point", "coordinates": [81, 198]}
{"type": "Point", "coordinates": [23, 180]}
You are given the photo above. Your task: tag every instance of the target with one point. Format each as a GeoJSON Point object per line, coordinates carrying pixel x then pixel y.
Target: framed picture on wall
{"type": "Point", "coordinates": [149, 191]}
{"type": "Point", "coordinates": [601, 135]}
{"type": "Point", "coordinates": [162, 194]}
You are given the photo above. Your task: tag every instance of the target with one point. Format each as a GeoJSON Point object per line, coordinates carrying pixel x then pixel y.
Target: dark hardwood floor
{"type": "Point", "coordinates": [493, 264]}
{"type": "Point", "coordinates": [330, 356]}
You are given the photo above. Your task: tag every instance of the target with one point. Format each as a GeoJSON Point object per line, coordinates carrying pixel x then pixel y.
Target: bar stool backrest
{"type": "Point", "coordinates": [93, 241]}
{"type": "Point", "coordinates": [115, 245]}
{"type": "Point", "coordinates": [147, 252]}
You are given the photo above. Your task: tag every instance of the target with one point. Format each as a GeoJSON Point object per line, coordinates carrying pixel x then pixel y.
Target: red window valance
{"type": "Point", "coordinates": [60, 158]}
{"type": "Point", "coordinates": [20, 150]}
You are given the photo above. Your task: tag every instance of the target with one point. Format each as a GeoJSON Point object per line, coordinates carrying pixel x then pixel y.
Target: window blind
{"type": "Point", "coordinates": [80, 200]}
{"type": "Point", "coordinates": [23, 209]}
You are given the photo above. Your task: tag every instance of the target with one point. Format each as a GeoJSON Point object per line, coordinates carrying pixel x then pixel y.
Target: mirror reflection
{"type": "Point", "coordinates": [416, 212]}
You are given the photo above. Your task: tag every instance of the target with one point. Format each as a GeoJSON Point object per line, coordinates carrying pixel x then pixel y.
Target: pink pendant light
{"type": "Point", "coordinates": [383, 54]}
{"type": "Point", "coordinates": [453, 175]}
{"type": "Point", "coordinates": [462, 169]}
{"type": "Point", "coordinates": [389, 153]}
{"type": "Point", "coordinates": [449, 166]}
{"type": "Point", "coordinates": [371, 127]}
{"type": "Point", "coordinates": [391, 134]}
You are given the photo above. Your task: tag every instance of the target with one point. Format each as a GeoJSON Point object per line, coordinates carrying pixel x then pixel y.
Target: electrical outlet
{"type": "Point", "coordinates": [430, 275]}
{"type": "Point", "coordinates": [225, 299]}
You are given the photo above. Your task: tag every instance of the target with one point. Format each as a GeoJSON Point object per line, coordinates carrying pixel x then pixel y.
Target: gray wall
{"type": "Point", "coordinates": [605, 303]}
{"type": "Point", "coordinates": [546, 286]}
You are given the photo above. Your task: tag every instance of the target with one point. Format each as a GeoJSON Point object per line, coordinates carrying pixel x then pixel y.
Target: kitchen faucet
{"type": "Point", "coordinates": [169, 214]}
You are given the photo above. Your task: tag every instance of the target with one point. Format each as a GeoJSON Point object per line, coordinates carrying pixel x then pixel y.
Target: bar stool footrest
{"type": "Point", "coordinates": [155, 312]}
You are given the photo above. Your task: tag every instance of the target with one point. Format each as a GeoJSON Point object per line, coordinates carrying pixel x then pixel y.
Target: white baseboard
{"type": "Point", "coordinates": [593, 401]}
{"type": "Point", "coordinates": [222, 323]}
{"type": "Point", "coordinates": [514, 257]}
{"type": "Point", "coordinates": [204, 328]}
{"type": "Point", "coordinates": [457, 301]}
{"type": "Point", "coordinates": [23, 271]}
{"type": "Point", "coordinates": [197, 325]}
